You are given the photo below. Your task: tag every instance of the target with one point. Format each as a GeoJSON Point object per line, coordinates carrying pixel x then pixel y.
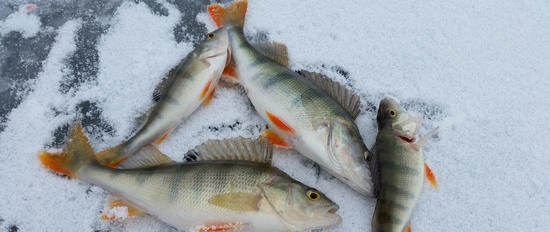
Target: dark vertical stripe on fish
{"type": "Point", "coordinates": [386, 218]}
{"type": "Point", "coordinates": [391, 188]}
{"type": "Point", "coordinates": [385, 204]}
{"type": "Point", "coordinates": [404, 169]}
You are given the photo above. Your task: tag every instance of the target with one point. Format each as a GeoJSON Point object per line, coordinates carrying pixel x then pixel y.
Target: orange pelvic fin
{"type": "Point", "coordinates": [281, 124]}
{"type": "Point", "coordinates": [206, 88]}
{"type": "Point", "coordinates": [430, 176]}
{"type": "Point", "coordinates": [275, 139]}
{"type": "Point", "coordinates": [230, 71]}
{"type": "Point", "coordinates": [232, 15]}
{"type": "Point", "coordinates": [209, 98]}
{"type": "Point", "coordinates": [112, 213]}
{"type": "Point", "coordinates": [220, 227]}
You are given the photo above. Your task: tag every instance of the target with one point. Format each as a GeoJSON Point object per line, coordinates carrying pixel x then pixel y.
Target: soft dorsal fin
{"type": "Point", "coordinates": [274, 51]}
{"type": "Point", "coordinates": [255, 150]}
{"type": "Point", "coordinates": [147, 156]}
{"type": "Point", "coordinates": [346, 97]}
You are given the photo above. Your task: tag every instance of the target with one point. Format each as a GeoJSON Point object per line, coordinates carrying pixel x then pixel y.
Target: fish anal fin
{"type": "Point", "coordinates": [119, 210]}
{"type": "Point", "coordinates": [237, 201]}
{"type": "Point", "coordinates": [220, 227]}
{"type": "Point", "coordinates": [430, 175]}
{"type": "Point", "coordinates": [254, 150]}
{"type": "Point", "coordinates": [350, 101]}
{"type": "Point", "coordinates": [275, 51]}
{"type": "Point", "coordinates": [280, 123]}
{"type": "Point", "coordinates": [147, 156]}
{"type": "Point", "coordinates": [209, 98]}
{"type": "Point", "coordinates": [275, 139]}
{"type": "Point", "coordinates": [232, 15]}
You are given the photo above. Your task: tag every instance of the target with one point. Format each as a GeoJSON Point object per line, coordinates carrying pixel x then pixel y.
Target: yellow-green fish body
{"type": "Point", "coordinates": [398, 167]}
{"type": "Point", "coordinates": [301, 114]}
{"type": "Point", "coordinates": [199, 196]}
{"type": "Point", "coordinates": [189, 85]}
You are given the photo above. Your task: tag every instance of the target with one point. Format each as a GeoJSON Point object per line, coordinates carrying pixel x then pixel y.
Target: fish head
{"type": "Point", "coordinates": [299, 206]}
{"type": "Point", "coordinates": [393, 117]}
{"type": "Point", "coordinates": [215, 47]}
{"type": "Point", "coordinates": [348, 156]}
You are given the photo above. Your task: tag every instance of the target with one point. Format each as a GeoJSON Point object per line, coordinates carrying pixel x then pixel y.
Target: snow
{"type": "Point", "coordinates": [23, 21]}
{"type": "Point", "coordinates": [477, 69]}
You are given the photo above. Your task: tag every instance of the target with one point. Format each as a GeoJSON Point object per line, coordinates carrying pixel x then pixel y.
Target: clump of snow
{"type": "Point", "coordinates": [23, 21]}
{"type": "Point", "coordinates": [116, 213]}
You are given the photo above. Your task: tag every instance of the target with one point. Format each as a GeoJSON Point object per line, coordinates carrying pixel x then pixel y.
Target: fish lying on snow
{"type": "Point", "coordinates": [189, 85]}
{"type": "Point", "coordinates": [316, 120]}
{"type": "Point", "coordinates": [233, 187]}
{"type": "Point", "coordinates": [398, 167]}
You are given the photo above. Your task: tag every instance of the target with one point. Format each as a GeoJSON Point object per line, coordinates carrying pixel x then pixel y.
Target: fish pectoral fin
{"type": "Point", "coordinates": [209, 98]}
{"type": "Point", "coordinates": [430, 175]}
{"type": "Point", "coordinates": [220, 227]}
{"type": "Point", "coordinates": [115, 208]}
{"type": "Point", "coordinates": [275, 139]}
{"type": "Point", "coordinates": [347, 98]}
{"type": "Point", "coordinates": [237, 201]}
{"type": "Point", "coordinates": [147, 156]}
{"type": "Point", "coordinates": [255, 150]}
{"type": "Point", "coordinates": [274, 51]}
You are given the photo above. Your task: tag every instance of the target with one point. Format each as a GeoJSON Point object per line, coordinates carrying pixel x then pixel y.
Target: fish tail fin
{"type": "Point", "coordinates": [111, 157]}
{"type": "Point", "coordinates": [76, 154]}
{"type": "Point", "coordinates": [232, 15]}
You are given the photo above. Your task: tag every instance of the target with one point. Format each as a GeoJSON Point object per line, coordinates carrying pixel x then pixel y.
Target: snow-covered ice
{"type": "Point", "coordinates": [477, 69]}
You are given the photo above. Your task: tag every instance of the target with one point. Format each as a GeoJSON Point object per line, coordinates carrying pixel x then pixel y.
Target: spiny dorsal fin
{"type": "Point", "coordinates": [346, 97]}
{"type": "Point", "coordinates": [166, 82]}
{"type": "Point", "coordinates": [274, 51]}
{"type": "Point", "coordinates": [147, 156]}
{"type": "Point", "coordinates": [255, 150]}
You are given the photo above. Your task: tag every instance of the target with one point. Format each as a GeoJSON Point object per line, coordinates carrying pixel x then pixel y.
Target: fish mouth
{"type": "Point", "coordinates": [333, 209]}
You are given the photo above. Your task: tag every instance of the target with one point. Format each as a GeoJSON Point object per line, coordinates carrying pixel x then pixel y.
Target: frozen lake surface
{"type": "Point", "coordinates": [478, 70]}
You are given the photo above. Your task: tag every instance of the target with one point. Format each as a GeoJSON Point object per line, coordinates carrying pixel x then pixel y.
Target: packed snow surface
{"type": "Point", "coordinates": [477, 69]}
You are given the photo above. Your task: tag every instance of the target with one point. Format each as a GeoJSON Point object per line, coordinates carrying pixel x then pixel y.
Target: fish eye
{"type": "Point", "coordinates": [392, 113]}
{"type": "Point", "coordinates": [211, 35]}
{"type": "Point", "coordinates": [312, 194]}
